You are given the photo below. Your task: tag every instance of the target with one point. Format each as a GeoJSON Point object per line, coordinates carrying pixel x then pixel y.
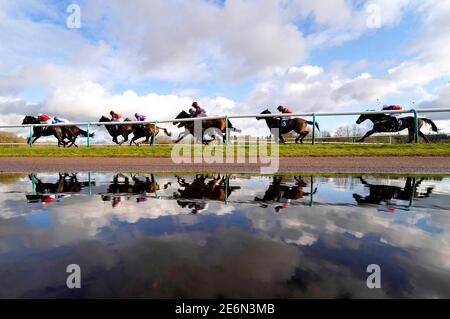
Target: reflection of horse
{"type": "Point", "coordinates": [383, 193]}
{"type": "Point", "coordinates": [279, 191]}
{"type": "Point", "coordinates": [383, 123]}
{"type": "Point", "coordinates": [66, 184]}
{"type": "Point", "coordinates": [115, 131]}
{"type": "Point", "coordinates": [135, 186]}
{"type": "Point", "coordinates": [138, 186]}
{"type": "Point", "coordinates": [218, 124]}
{"type": "Point", "coordinates": [215, 189]}
{"type": "Point", "coordinates": [298, 125]}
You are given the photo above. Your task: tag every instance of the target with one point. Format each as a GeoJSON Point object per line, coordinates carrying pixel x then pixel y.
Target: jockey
{"type": "Point", "coordinates": [284, 110]}
{"type": "Point", "coordinates": [58, 119]}
{"type": "Point", "coordinates": [45, 119]}
{"type": "Point", "coordinates": [140, 117]}
{"type": "Point", "coordinates": [392, 119]}
{"type": "Point", "coordinates": [197, 111]}
{"type": "Point", "coordinates": [116, 117]}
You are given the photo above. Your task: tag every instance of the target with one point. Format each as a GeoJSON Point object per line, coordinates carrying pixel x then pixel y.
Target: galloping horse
{"type": "Point", "coordinates": [57, 131]}
{"type": "Point", "coordinates": [74, 132]}
{"type": "Point", "coordinates": [115, 131]}
{"type": "Point", "coordinates": [298, 125]}
{"type": "Point", "coordinates": [219, 124]}
{"type": "Point", "coordinates": [383, 123]}
{"type": "Point", "coordinates": [146, 130]}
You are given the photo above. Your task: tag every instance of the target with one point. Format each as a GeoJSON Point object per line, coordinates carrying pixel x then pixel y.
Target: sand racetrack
{"type": "Point", "coordinates": [335, 164]}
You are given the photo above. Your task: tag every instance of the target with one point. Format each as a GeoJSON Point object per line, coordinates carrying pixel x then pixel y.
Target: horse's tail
{"type": "Point", "coordinates": [433, 126]}
{"type": "Point", "coordinates": [167, 132]}
{"type": "Point", "coordinates": [312, 123]}
{"type": "Point", "coordinates": [85, 134]}
{"type": "Point", "coordinates": [232, 128]}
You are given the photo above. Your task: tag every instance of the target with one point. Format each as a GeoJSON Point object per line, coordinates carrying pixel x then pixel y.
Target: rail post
{"type": "Point", "coordinates": [30, 140]}
{"type": "Point", "coordinates": [227, 181]}
{"type": "Point", "coordinates": [314, 129]}
{"type": "Point", "coordinates": [88, 138]}
{"type": "Point", "coordinates": [227, 135]}
{"type": "Point", "coordinates": [154, 132]}
{"type": "Point", "coordinates": [311, 195]}
{"type": "Point", "coordinates": [416, 126]}
{"type": "Point", "coordinates": [89, 182]}
{"type": "Point", "coordinates": [33, 184]}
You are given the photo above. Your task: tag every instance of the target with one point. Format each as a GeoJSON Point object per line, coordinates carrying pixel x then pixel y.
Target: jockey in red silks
{"type": "Point", "coordinates": [284, 110]}
{"type": "Point", "coordinates": [45, 119]}
{"type": "Point", "coordinates": [197, 111]}
{"type": "Point", "coordinates": [116, 117]}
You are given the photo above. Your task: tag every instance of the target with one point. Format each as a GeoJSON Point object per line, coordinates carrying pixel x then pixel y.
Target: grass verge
{"type": "Point", "coordinates": [290, 150]}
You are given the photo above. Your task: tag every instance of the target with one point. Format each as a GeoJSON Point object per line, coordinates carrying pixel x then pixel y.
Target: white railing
{"type": "Point", "coordinates": [261, 116]}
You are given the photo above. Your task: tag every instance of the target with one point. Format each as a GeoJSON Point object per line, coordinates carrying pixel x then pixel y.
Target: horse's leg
{"type": "Point", "coordinates": [411, 135]}
{"type": "Point", "coordinates": [424, 137]}
{"type": "Point", "coordinates": [282, 139]}
{"type": "Point", "coordinates": [35, 137]}
{"type": "Point", "coordinates": [304, 135]}
{"type": "Point", "coordinates": [366, 136]}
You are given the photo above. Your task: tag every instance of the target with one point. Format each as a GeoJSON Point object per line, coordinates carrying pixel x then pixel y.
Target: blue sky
{"type": "Point", "coordinates": [233, 56]}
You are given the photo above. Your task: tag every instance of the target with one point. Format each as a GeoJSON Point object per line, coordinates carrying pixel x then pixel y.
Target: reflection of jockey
{"type": "Point", "coordinates": [197, 111]}
{"type": "Point", "coordinates": [45, 119]}
{"type": "Point", "coordinates": [284, 110]}
{"type": "Point", "coordinates": [117, 201]}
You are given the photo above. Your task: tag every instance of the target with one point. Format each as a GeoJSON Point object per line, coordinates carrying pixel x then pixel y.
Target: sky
{"type": "Point", "coordinates": [234, 57]}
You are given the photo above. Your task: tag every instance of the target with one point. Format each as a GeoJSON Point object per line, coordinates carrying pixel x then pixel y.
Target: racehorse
{"type": "Point", "coordinates": [219, 124]}
{"type": "Point", "coordinates": [383, 123]}
{"type": "Point", "coordinates": [298, 125]}
{"type": "Point", "coordinates": [115, 131]}
{"type": "Point", "coordinates": [146, 130]}
{"type": "Point", "coordinates": [57, 131]}
{"type": "Point", "coordinates": [74, 132]}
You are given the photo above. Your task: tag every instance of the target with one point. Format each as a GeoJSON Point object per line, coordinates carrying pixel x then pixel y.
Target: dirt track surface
{"type": "Point", "coordinates": [344, 164]}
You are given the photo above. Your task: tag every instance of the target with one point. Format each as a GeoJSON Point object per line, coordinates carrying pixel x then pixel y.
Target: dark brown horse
{"type": "Point", "coordinates": [219, 125]}
{"type": "Point", "coordinates": [298, 125]}
{"type": "Point", "coordinates": [59, 132]}
{"type": "Point", "coordinates": [73, 133]}
{"type": "Point", "coordinates": [115, 131]}
{"type": "Point", "coordinates": [146, 130]}
{"type": "Point", "coordinates": [383, 123]}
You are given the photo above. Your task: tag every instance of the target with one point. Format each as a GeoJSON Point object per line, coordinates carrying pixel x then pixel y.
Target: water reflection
{"type": "Point", "coordinates": [193, 194]}
{"type": "Point", "coordinates": [142, 235]}
{"type": "Point", "coordinates": [280, 191]}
